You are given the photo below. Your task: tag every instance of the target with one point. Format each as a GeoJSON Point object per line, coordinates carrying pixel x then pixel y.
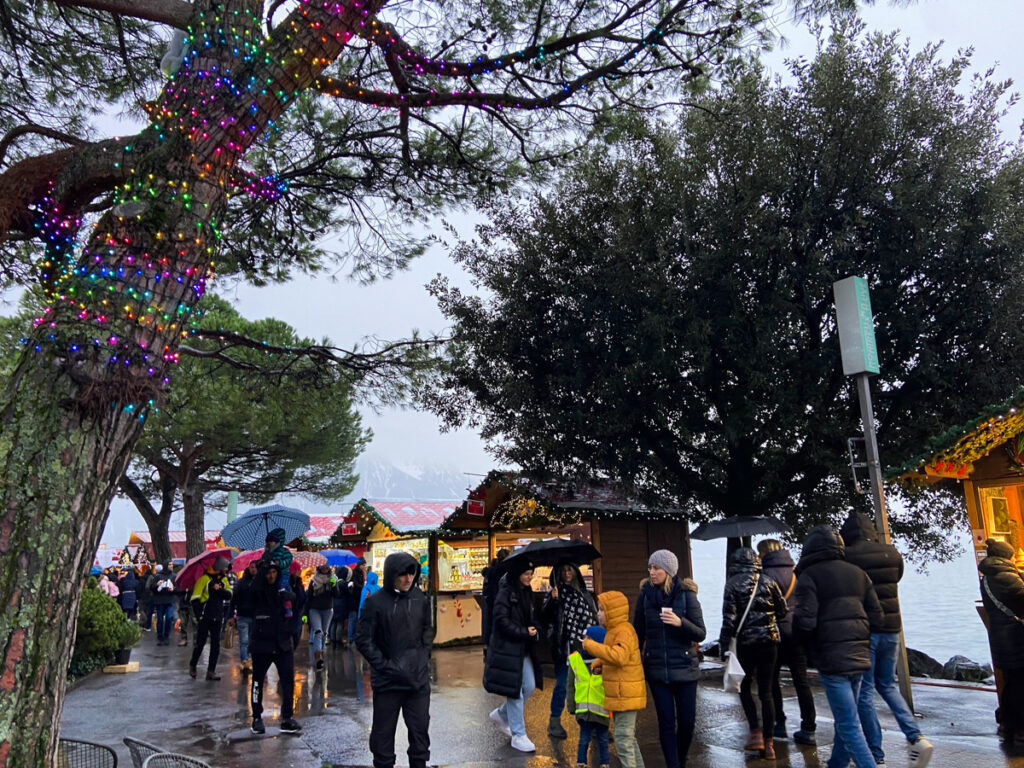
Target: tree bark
{"type": "Point", "coordinates": [59, 468]}
{"type": "Point", "coordinates": [195, 520]}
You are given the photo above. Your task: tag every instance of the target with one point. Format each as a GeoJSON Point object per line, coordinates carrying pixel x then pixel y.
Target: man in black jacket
{"type": "Point", "coordinates": [837, 610]}
{"type": "Point", "coordinates": [395, 635]}
{"type": "Point", "coordinates": [271, 644]}
{"type": "Point", "coordinates": [884, 566]}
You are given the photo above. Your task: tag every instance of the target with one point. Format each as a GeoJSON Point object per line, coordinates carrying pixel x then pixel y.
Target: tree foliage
{"type": "Point", "coordinates": [665, 317]}
{"type": "Point", "coordinates": [285, 428]}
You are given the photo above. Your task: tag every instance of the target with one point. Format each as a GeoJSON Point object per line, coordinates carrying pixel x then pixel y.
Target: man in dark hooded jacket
{"type": "Point", "coordinates": [395, 635]}
{"type": "Point", "coordinates": [271, 644]}
{"type": "Point", "coordinates": [1002, 592]}
{"type": "Point", "coordinates": [836, 611]}
{"type": "Point", "coordinates": [884, 566]}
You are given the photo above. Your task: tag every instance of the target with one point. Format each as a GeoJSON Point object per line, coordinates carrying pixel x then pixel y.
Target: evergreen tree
{"type": "Point", "coordinates": [665, 318]}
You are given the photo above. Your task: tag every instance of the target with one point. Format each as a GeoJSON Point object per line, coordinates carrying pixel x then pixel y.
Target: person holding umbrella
{"type": "Point", "coordinates": [669, 622]}
{"type": "Point", "coordinates": [210, 599]}
{"type": "Point", "coordinates": [567, 612]}
{"type": "Point", "coordinates": [512, 668]}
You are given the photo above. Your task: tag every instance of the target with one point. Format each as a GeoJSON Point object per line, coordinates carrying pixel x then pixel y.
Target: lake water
{"type": "Point", "coordinates": [938, 607]}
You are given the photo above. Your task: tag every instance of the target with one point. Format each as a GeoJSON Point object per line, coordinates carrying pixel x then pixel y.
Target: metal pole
{"type": "Point", "coordinates": [867, 415]}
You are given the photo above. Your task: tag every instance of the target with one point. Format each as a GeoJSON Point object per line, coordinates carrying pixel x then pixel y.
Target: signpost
{"type": "Point", "coordinates": [860, 359]}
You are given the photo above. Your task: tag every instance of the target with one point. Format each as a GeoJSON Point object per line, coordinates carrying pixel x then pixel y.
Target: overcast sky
{"type": "Point", "coordinates": [345, 311]}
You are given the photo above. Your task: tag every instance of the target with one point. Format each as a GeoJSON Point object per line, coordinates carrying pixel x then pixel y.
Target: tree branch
{"type": "Point", "coordinates": [41, 130]}
{"type": "Point", "coordinates": [174, 13]}
{"type": "Point", "coordinates": [392, 355]}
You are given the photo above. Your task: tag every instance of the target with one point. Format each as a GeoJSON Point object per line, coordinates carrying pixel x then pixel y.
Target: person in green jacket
{"type": "Point", "coordinates": [585, 689]}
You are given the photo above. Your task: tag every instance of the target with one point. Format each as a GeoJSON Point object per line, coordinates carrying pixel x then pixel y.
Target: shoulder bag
{"type": "Point", "coordinates": [734, 673]}
{"type": "Point", "coordinates": [999, 603]}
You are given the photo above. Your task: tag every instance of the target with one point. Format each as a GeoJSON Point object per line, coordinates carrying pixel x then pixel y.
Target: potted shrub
{"type": "Point", "coordinates": [128, 634]}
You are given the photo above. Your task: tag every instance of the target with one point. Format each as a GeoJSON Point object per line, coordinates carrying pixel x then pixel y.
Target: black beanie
{"type": "Point", "coordinates": [998, 548]}
{"type": "Point", "coordinates": [517, 566]}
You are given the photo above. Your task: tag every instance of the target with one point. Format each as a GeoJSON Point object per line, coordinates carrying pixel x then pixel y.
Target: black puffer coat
{"type": "Point", "coordinates": [669, 654]}
{"type": "Point", "coordinates": [779, 565]}
{"type": "Point", "coordinates": [395, 631]}
{"type": "Point", "coordinates": [1005, 634]}
{"type": "Point", "coordinates": [510, 640]}
{"type": "Point", "coordinates": [768, 606]}
{"type": "Point", "coordinates": [554, 609]}
{"type": "Point", "coordinates": [837, 608]}
{"type": "Point", "coordinates": [271, 631]}
{"type": "Point", "coordinates": [881, 562]}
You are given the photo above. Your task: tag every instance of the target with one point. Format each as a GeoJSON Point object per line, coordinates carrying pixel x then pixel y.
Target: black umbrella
{"type": "Point", "coordinates": [552, 551]}
{"type": "Point", "coordinates": [739, 527]}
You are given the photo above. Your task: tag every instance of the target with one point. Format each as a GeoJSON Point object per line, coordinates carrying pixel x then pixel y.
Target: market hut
{"type": "Point", "coordinates": [511, 510]}
{"type": "Point", "coordinates": [986, 458]}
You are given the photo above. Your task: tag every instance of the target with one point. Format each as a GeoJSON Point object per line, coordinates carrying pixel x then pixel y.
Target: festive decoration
{"type": "Point", "coordinates": [953, 453]}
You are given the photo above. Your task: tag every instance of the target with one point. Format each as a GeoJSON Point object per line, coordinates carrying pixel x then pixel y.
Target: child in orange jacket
{"type": "Point", "coordinates": [625, 690]}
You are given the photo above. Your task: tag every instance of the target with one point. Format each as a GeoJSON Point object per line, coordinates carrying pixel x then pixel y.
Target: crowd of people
{"type": "Point", "coordinates": [837, 609]}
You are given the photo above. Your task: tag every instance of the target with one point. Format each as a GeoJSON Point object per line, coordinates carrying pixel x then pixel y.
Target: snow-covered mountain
{"type": "Point", "coordinates": [380, 479]}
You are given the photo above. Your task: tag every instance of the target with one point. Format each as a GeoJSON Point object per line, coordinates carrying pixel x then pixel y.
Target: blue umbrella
{"type": "Point", "coordinates": [95, 571]}
{"type": "Point", "coordinates": [250, 530]}
{"type": "Point", "coordinates": [339, 556]}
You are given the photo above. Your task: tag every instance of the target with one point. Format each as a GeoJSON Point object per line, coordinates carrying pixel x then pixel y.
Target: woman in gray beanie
{"type": "Point", "coordinates": [669, 622]}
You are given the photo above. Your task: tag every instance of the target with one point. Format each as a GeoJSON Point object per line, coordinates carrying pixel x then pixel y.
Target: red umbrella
{"type": "Point", "coordinates": [300, 560]}
{"type": "Point", "coordinates": [194, 568]}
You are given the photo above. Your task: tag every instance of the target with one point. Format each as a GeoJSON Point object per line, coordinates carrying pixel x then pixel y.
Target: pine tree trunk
{"type": "Point", "coordinates": [195, 520]}
{"type": "Point", "coordinates": [158, 522]}
{"type": "Point", "coordinates": [58, 472]}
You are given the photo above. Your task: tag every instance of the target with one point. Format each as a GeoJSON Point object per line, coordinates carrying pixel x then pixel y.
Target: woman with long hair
{"type": "Point", "coordinates": [567, 612]}
{"type": "Point", "coordinates": [752, 607]}
{"type": "Point", "coordinates": [669, 623]}
{"type": "Point", "coordinates": [512, 668]}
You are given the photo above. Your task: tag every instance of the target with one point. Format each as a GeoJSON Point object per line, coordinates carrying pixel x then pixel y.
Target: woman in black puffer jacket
{"type": "Point", "coordinates": [668, 621]}
{"type": "Point", "coordinates": [512, 668]}
{"type": "Point", "coordinates": [757, 639]}
{"type": "Point", "coordinates": [1002, 592]}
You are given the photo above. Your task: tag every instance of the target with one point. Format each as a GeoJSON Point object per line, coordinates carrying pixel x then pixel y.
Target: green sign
{"type": "Point", "coordinates": [856, 326]}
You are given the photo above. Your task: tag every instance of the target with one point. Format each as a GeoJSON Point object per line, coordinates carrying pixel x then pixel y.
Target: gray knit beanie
{"type": "Point", "coordinates": [665, 560]}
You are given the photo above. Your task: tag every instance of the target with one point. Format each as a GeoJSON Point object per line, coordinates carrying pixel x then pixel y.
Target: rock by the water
{"type": "Point", "coordinates": [964, 670]}
{"type": "Point", "coordinates": [923, 665]}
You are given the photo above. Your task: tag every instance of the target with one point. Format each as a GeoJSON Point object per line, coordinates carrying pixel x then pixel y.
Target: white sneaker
{"type": "Point", "coordinates": [523, 744]}
{"type": "Point", "coordinates": [500, 721]}
{"type": "Point", "coordinates": [920, 753]}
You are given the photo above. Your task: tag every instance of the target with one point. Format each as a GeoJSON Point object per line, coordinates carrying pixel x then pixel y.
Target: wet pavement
{"type": "Point", "coordinates": [163, 705]}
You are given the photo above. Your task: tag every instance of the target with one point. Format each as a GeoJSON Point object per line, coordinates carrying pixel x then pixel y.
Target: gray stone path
{"type": "Point", "coordinates": [162, 704]}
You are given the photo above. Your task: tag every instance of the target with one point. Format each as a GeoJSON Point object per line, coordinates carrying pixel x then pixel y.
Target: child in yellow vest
{"type": "Point", "coordinates": [585, 692]}
{"type": "Point", "coordinates": [623, 672]}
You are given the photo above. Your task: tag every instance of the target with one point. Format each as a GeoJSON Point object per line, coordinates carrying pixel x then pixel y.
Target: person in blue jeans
{"type": "Point", "coordinates": [568, 610]}
{"type": "Point", "coordinates": [837, 610]}
{"type": "Point", "coordinates": [244, 609]}
{"type": "Point", "coordinates": [884, 566]}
